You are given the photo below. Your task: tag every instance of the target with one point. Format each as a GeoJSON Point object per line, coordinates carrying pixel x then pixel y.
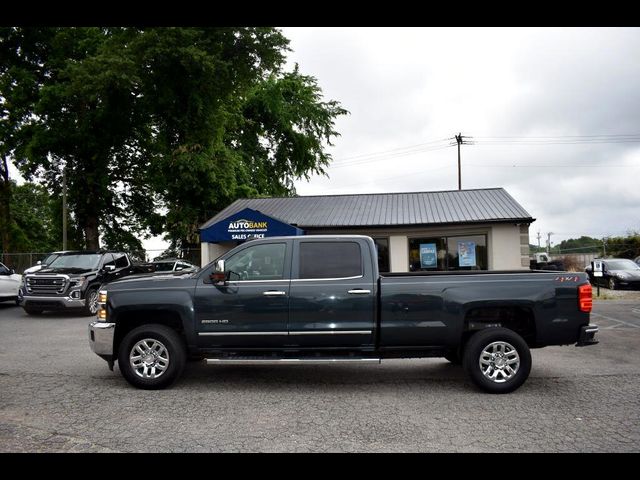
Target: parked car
{"type": "Point", "coordinates": [319, 299]}
{"type": "Point", "coordinates": [637, 260]}
{"type": "Point", "coordinates": [542, 261]}
{"type": "Point", "coordinates": [10, 283]}
{"type": "Point", "coordinates": [174, 265]}
{"type": "Point", "coordinates": [72, 281]}
{"type": "Point", "coordinates": [45, 262]}
{"type": "Point", "coordinates": [617, 273]}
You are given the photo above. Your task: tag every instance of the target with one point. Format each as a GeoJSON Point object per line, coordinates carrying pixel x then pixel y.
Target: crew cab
{"type": "Point", "coordinates": [72, 280]}
{"type": "Point", "coordinates": [320, 299]}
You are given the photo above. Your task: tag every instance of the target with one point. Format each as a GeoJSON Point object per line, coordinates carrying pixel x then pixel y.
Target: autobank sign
{"type": "Point", "coordinates": [239, 229]}
{"type": "Point", "coordinates": [245, 224]}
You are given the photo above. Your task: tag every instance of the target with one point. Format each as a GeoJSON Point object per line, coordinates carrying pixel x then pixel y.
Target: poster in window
{"type": "Point", "coordinates": [428, 255]}
{"type": "Point", "coordinates": [467, 254]}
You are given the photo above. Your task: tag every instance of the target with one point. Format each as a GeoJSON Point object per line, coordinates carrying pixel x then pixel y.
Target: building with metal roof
{"type": "Point", "coordinates": [445, 230]}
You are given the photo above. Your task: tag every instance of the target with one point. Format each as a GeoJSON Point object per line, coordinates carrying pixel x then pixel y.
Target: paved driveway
{"type": "Point", "coordinates": [57, 396]}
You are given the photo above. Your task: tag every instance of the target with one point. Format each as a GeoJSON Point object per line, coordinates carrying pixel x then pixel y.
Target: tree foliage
{"type": "Point", "coordinates": [159, 128]}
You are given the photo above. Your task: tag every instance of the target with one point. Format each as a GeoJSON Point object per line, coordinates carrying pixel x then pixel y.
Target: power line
{"type": "Point", "coordinates": [418, 145]}
{"type": "Point", "coordinates": [381, 157]}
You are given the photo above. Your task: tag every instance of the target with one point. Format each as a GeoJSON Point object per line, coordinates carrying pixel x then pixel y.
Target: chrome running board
{"type": "Point", "coordinates": [288, 361]}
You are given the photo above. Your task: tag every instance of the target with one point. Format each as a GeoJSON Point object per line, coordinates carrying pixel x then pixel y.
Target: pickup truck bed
{"type": "Point", "coordinates": [292, 300]}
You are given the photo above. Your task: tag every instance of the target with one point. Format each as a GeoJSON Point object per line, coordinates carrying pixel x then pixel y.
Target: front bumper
{"type": "Point", "coordinates": [52, 303]}
{"type": "Point", "coordinates": [101, 338]}
{"type": "Point", "coordinates": [587, 336]}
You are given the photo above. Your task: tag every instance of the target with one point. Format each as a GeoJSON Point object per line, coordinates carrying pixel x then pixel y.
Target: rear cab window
{"type": "Point", "coordinates": [329, 259]}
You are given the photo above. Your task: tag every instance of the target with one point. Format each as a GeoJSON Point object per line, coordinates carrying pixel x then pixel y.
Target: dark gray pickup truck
{"type": "Point", "coordinates": [321, 300]}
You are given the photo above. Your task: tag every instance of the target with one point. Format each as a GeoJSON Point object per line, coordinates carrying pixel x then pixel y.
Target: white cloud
{"type": "Point", "coordinates": [409, 86]}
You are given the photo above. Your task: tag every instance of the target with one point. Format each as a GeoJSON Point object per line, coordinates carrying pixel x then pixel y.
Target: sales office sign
{"type": "Point", "coordinates": [240, 229]}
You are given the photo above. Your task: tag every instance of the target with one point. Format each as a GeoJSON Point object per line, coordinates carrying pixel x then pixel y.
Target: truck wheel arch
{"type": "Point", "coordinates": [517, 318]}
{"type": "Point", "coordinates": [132, 319]}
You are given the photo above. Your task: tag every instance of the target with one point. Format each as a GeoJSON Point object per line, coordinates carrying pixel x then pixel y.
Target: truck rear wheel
{"type": "Point", "coordinates": [497, 360]}
{"type": "Point", "coordinates": [151, 357]}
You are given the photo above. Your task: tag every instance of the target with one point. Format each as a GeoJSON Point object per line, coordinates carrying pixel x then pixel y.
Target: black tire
{"type": "Point", "coordinates": [33, 311]}
{"type": "Point", "coordinates": [612, 283]}
{"type": "Point", "coordinates": [91, 302]}
{"type": "Point", "coordinates": [483, 340]}
{"type": "Point", "coordinates": [176, 356]}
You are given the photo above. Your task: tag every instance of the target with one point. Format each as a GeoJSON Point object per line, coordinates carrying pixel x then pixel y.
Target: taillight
{"type": "Point", "coordinates": [585, 298]}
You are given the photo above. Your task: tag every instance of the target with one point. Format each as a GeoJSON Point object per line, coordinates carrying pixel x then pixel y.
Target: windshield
{"type": "Point", "coordinates": [622, 265]}
{"type": "Point", "coordinates": [50, 258]}
{"type": "Point", "coordinates": [88, 262]}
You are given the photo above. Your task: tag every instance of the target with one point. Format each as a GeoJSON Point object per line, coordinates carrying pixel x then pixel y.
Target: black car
{"type": "Point", "coordinates": [170, 265]}
{"type": "Point", "coordinates": [72, 281]}
{"type": "Point", "coordinates": [617, 273]}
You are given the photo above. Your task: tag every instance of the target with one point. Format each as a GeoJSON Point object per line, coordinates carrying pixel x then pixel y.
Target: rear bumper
{"type": "Point", "coordinates": [587, 336]}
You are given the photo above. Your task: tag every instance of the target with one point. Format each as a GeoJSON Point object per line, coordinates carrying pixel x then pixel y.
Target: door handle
{"type": "Point", "coordinates": [359, 291]}
{"type": "Point", "coordinates": [274, 293]}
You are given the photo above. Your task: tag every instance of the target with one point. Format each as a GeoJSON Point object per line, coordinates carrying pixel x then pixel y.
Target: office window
{"type": "Point", "coordinates": [382, 246]}
{"type": "Point", "coordinates": [465, 252]}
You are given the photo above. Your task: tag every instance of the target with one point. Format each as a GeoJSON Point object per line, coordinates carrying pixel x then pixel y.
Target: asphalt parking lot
{"type": "Point", "coordinates": [57, 396]}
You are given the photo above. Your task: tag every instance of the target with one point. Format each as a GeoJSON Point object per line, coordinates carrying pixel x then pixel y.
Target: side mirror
{"type": "Point", "coordinates": [12, 271]}
{"type": "Point", "coordinates": [39, 262]}
{"type": "Point", "coordinates": [219, 275]}
{"type": "Point", "coordinates": [178, 269]}
{"type": "Point", "coordinates": [109, 268]}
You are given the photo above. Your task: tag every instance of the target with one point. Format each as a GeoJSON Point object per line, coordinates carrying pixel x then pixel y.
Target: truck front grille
{"type": "Point", "coordinates": [46, 285]}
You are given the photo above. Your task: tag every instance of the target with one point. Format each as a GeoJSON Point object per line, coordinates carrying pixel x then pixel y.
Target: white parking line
{"type": "Point", "coordinates": [620, 322]}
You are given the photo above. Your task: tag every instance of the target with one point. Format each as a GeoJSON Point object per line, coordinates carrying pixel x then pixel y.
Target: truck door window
{"type": "Point", "coordinates": [260, 262]}
{"type": "Point", "coordinates": [330, 260]}
{"type": "Point", "coordinates": [108, 260]}
{"type": "Point", "coordinates": [121, 261]}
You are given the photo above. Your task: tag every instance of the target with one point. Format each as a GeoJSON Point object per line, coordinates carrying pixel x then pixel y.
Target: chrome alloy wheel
{"type": "Point", "coordinates": [149, 358]}
{"type": "Point", "coordinates": [93, 302]}
{"type": "Point", "coordinates": [499, 361]}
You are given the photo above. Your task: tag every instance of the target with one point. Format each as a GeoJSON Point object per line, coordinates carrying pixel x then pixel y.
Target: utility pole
{"type": "Point", "coordinates": [549, 242]}
{"type": "Point", "coordinates": [604, 247]}
{"type": "Point", "coordinates": [64, 208]}
{"type": "Point", "coordinates": [538, 238]}
{"type": "Point", "coordinates": [460, 141]}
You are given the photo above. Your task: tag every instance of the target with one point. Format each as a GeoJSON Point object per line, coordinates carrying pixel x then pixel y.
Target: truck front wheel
{"type": "Point", "coordinates": [91, 302]}
{"type": "Point", "coordinates": [497, 360]}
{"type": "Point", "coordinates": [151, 357]}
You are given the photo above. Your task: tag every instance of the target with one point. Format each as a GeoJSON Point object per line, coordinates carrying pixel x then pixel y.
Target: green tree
{"type": "Point", "coordinates": [584, 244]}
{"type": "Point", "coordinates": [625, 246]}
{"type": "Point", "coordinates": [36, 220]}
{"type": "Point", "coordinates": [159, 128]}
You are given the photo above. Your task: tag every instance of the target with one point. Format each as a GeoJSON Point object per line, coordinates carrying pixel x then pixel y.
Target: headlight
{"type": "Point", "coordinates": [102, 306]}
{"type": "Point", "coordinates": [78, 282]}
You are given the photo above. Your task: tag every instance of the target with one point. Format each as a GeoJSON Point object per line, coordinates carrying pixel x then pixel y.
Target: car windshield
{"type": "Point", "coordinates": [622, 265]}
{"type": "Point", "coordinates": [164, 266]}
{"type": "Point", "coordinates": [89, 261]}
{"type": "Point", "coordinates": [48, 260]}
